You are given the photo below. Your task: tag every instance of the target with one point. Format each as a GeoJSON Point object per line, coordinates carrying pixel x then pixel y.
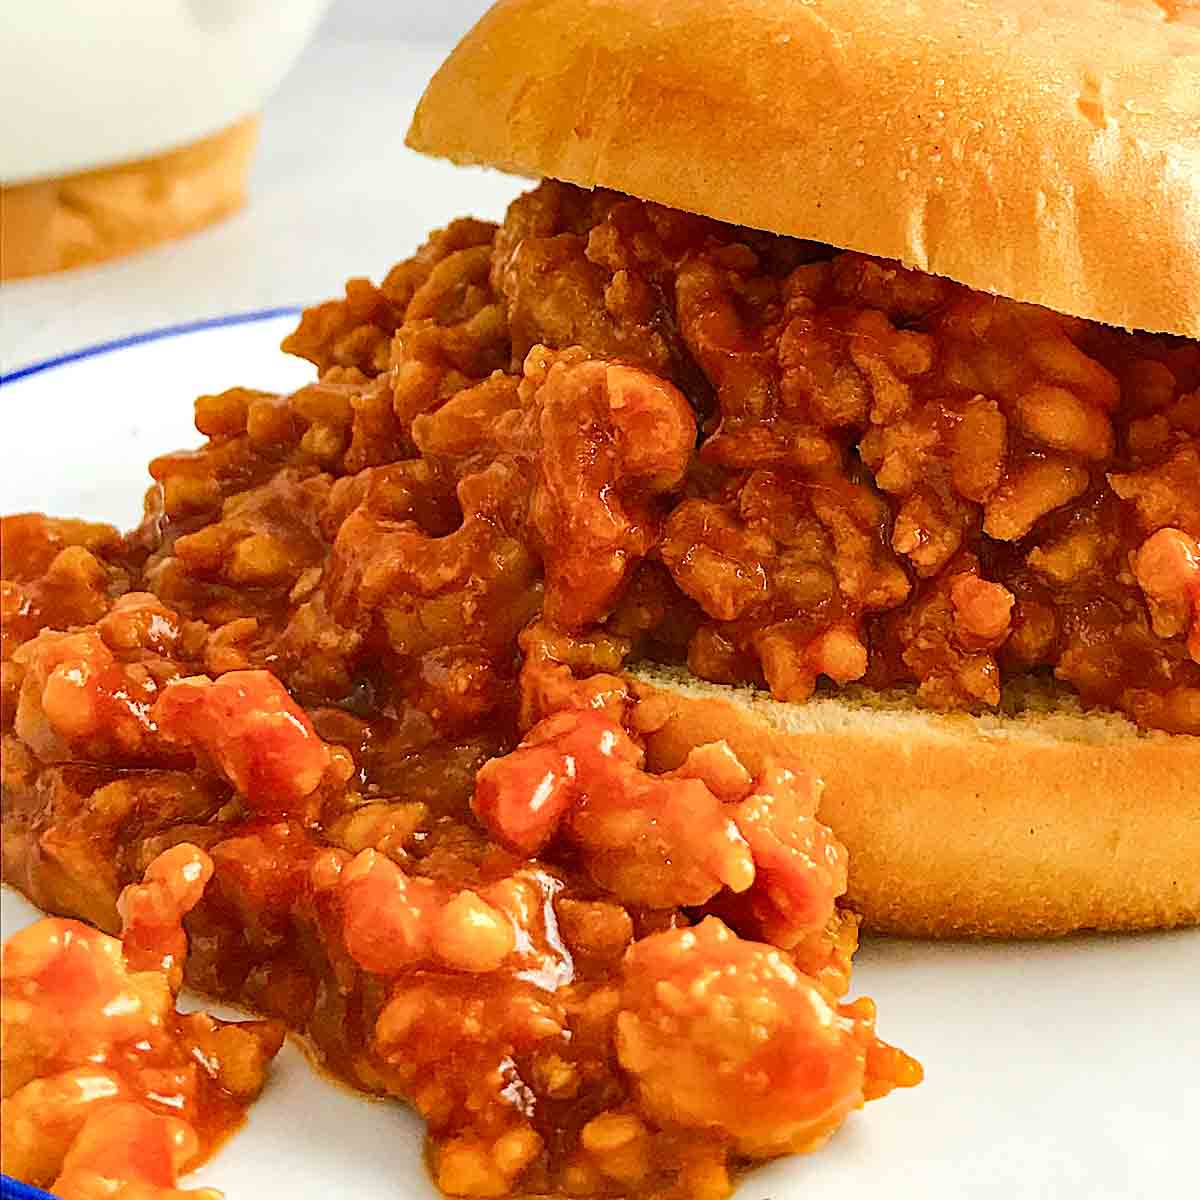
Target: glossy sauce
{"type": "Point", "coordinates": [535, 452]}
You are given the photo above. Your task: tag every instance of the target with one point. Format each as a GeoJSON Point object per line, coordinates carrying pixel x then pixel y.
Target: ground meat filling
{"type": "Point", "coordinates": [365, 653]}
{"type": "Point", "coordinates": [895, 479]}
{"type": "Point", "coordinates": [108, 1090]}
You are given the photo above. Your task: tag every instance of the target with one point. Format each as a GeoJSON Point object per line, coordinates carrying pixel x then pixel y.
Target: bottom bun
{"type": "Point", "coordinates": [53, 224]}
{"type": "Point", "coordinates": [1038, 822]}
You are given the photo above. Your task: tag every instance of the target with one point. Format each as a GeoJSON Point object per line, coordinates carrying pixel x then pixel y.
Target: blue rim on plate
{"type": "Point", "coordinates": [152, 335]}
{"type": "Point", "coordinates": [14, 1189]}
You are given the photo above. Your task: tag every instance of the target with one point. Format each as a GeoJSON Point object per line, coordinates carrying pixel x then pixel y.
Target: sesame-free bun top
{"type": "Point", "coordinates": [1045, 150]}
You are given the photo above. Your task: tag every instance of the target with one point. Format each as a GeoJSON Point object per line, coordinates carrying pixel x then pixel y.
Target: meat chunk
{"type": "Point", "coordinates": [612, 439]}
{"type": "Point", "coordinates": [253, 732]}
{"type": "Point", "coordinates": [699, 1005]}
{"type": "Point", "coordinates": [1167, 567]}
{"type": "Point", "coordinates": [90, 693]}
{"type": "Point", "coordinates": [394, 922]}
{"type": "Point", "coordinates": [107, 1089]}
{"type": "Point", "coordinates": [800, 867]}
{"type": "Point", "coordinates": [650, 840]}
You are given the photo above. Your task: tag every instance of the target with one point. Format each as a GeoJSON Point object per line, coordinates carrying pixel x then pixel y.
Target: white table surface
{"type": "Point", "coordinates": [334, 193]}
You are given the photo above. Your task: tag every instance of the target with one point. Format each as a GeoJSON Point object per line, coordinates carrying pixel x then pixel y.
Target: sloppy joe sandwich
{"type": "Point", "coordinates": [786, 517]}
{"type": "Point", "coordinates": [947, 478]}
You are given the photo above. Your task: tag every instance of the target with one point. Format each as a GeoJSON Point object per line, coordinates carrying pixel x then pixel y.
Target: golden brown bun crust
{"type": "Point", "coordinates": [1046, 150]}
{"type": "Point", "coordinates": [54, 224]}
{"type": "Point", "coordinates": [999, 826]}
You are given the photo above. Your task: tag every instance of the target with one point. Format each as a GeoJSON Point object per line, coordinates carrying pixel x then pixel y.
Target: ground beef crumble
{"type": "Point", "coordinates": [368, 641]}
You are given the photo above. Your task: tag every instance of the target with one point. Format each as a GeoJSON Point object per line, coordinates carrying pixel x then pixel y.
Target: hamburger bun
{"type": "Point", "coordinates": [1048, 152]}
{"type": "Point", "coordinates": [75, 220]}
{"type": "Point", "coordinates": [1037, 821]}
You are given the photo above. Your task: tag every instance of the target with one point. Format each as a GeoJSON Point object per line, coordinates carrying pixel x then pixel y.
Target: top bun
{"type": "Point", "coordinates": [1045, 150]}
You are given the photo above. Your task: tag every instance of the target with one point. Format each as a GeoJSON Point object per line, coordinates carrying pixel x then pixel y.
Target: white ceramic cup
{"type": "Point", "coordinates": [89, 83]}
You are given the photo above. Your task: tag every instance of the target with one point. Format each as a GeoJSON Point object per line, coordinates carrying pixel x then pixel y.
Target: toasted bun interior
{"type": "Point", "coordinates": [1031, 824]}
{"type": "Point", "coordinates": [1045, 150]}
{"type": "Point", "coordinates": [54, 224]}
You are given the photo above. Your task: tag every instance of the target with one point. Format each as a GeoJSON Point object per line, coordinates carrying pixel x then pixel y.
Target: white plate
{"type": "Point", "coordinates": [1056, 1070]}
